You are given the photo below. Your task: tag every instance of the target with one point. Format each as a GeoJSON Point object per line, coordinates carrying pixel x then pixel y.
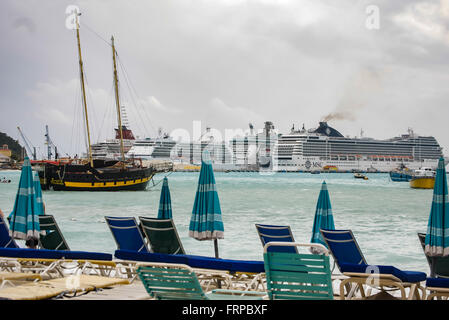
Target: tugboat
{"type": "Point", "coordinates": [423, 178]}
{"type": "Point", "coordinates": [95, 174]}
{"type": "Point", "coordinates": [402, 173]}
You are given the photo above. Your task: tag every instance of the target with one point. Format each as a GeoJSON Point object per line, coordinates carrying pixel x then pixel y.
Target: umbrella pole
{"type": "Point", "coordinates": [216, 256]}
{"type": "Point", "coordinates": [216, 248]}
{"type": "Point", "coordinates": [432, 268]}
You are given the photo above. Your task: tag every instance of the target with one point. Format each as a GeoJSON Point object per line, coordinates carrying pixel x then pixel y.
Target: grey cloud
{"type": "Point", "coordinates": [227, 64]}
{"type": "Point", "coordinates": [25, 23]}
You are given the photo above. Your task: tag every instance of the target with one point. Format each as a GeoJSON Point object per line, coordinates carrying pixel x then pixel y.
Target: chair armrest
{"type": "Point", "coordinates": [240, 292]}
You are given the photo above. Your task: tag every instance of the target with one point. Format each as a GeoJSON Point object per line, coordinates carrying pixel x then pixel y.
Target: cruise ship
{"type": "Point", "coordinates": [324, 148]}
{"type": "Point", "coordinates": [255, 149]}
{"type": "Point", "coordinates": [152, 148]}
{"type": "Point", "coordinates": [189, 153]}
{"type": "Point", "coordinates": [248, 151]}
{"type": "Point", "coordinates": [110, 148]}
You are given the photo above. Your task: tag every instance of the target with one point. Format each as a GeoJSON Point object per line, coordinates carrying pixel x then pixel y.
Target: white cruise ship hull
{"type": "Point", "coordinates": [315, 163]}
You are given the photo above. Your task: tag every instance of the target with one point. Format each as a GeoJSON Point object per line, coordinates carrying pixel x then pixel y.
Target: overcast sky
{"type": "Point", "coordinates": [226, 63]}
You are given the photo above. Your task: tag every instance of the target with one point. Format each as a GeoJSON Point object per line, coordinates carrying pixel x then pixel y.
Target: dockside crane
{"type": "Point", "coordinates": [49, 144]}
{"type": "Point", "coordinates": [32, 152]}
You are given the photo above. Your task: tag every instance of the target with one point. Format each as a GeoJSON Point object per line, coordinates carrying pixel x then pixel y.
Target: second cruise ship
{"type": "Point", "coordinates": [326, 149]}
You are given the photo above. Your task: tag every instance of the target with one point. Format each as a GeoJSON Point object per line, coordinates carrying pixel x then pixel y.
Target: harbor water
{"type": "Point", "coordinates": [384, 216]}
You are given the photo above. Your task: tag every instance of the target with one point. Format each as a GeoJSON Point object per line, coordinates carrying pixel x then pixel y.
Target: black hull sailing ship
{"type": "Point", "coordinates": [65, 176]}
{"type": "Point", "coordinates": [95, 174]}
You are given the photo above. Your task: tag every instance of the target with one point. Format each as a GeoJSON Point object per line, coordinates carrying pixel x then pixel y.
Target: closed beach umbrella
{"type": "Point", "coordinates": [38, 191]}
{"type": "Point", "coordinates": [24, 220]}
{"type": "Point", "coordinates": [437, 236]}
{"type": "Point", "coordinates": [206, 222]}
{"type": "Point", "coordinates": [165, 202]}
{"type": "Point", "coordinates": [323, 216]}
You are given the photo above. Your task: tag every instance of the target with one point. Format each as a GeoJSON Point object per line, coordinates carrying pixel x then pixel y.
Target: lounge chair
{"type": "Point", "coordinates": [351, 262]}
{"type": "Point", "coordinates": [54, 263]}
{"type": "Point", "coordinates": [162, 235]}
{"type": "Point", "coordinates": [268, 233]}
{"type": "Point", "coordinates": [230, 273]}
{"type": "Point", "coordinates": [53, 238]}
{"type": "Point", "coordinates": [127, 234]}
{"type": "Point", "coordinates": [12, 277]}
{"type": "Point", "coordinates": [47, 289]}
{"type": "Point", "coordinates": [131, 248]}
{"type": "Point", "coordinates": [438, 287]}
{"type": "Point", "coordinates": [165, 281]}
{"type": "Point", "coordinates": [5, 239]}
{"type": "Point", "coordinates": [439, 266]}
{"type": "Point", "coordinates": [50, 262]}
{"type": "Point", "coordinates": [298, 276]}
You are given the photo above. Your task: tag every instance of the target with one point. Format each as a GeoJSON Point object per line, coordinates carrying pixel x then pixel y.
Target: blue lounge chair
{"type": "Point", "coordinates": [298, 276]}
{"type": "Point", "coordinates": [268, 233]}
{"type": "Point", "coordinates": [165, 281]}
{"type": "Point", "coordinates": [248, 272]}
{"type": "Point", "coordinates": [351, 262]}
{"type": "Point", "coordinates": [49, 261]}
{"type": "Point", "coordinates": [54, 262]}
{"type": "Point", "coordinates": [5, 239]}
{"type": "Point", "coordinates": [127, 234]}
{"type": "Point", "coordinates": [132, 248]}
{"type": "Point", "coordinates": [438, 287]}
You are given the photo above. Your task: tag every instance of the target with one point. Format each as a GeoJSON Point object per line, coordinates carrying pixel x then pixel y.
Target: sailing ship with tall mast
{"type": "Point", "coordinates": [96, 174]}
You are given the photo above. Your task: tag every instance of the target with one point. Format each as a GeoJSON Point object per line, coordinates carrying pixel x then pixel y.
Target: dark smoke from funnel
{"type": "Point", "coordinates": [359, 90]}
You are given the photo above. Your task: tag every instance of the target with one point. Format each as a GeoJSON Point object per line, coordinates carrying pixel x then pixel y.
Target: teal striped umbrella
{"type": "Point", "coordinates": [437, 236]}
{"type": "Point", "coordinates": [165, 202]}
{"type": "Point", "coordinates": [323, 216]}
{"type": "Point", "coordinates": [38, 191]}
{"type": "Point", "coordinates": [206, 222]}
{"type": "Point", "coordinates": [24, 220]}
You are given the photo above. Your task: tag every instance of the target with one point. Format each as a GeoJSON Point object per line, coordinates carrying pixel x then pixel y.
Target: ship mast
{"type": "Point", "coordinates": [83, 89]}
{"type": "Point", "coordinates": [117, 100]}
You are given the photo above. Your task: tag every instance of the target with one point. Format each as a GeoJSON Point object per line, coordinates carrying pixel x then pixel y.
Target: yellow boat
{"type": "Point", "coordinates": [423, 179]}
{"type": "Point", "coordinates": [422, 182]}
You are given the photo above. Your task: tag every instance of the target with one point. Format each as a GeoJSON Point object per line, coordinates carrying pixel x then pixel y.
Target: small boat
{"type": "Point", "coordinates": [399, 176]}
{"type": "Point", "coordinates": [330, 168]}
{"type": "Point", "coordinates": [315, 172]}
{"type": "Point", "coordinates": [360, 176]}
{"type": "Point", "coordinates": [402, 173]}
{"type": "Point", "coordinates": [423, 178]}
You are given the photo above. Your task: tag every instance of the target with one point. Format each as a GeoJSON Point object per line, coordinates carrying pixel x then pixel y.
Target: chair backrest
{"type": "Point", "coordinates": [127, 233]}
{"type": "Point", "coordinates": [298, 276]}
{"type": "Point", "coordinates": [343, 246]}
{"type": "Point", "coordinates": [53, 238]}
{"type": "Point", "coordinates": [439, 266]}
{"type": "Point", "coordinates": [5, 239]}
{"type": "Point", "coordinates": [170, 281]}
{"type": "Point", "coordinates": [162, 235]}
{"type": "Point", "coordinates": [268, 233]}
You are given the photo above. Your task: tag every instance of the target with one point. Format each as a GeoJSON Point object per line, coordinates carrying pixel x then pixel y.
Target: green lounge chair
{"type": "Point", "coordinates": [439, 266]}
{"type": "Point", "coordinates": [298, 276]}
{"type": "Point", "coordinates": [53, 238]}
{"type": "Point", "coordinates": [162, 235]}
{"type": "Point", "coordinates": [166, 281]}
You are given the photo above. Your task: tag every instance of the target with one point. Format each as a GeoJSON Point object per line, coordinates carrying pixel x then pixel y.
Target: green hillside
{"type": "Point", "coordinates": [13, 145]}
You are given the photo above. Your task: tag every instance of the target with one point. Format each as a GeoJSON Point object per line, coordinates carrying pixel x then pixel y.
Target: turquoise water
{"type": "Point", "coordinates": [385, 216]}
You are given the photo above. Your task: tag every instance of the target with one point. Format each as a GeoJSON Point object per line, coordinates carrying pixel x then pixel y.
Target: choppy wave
{"type": "Point", "coordinates": [385, 216]}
